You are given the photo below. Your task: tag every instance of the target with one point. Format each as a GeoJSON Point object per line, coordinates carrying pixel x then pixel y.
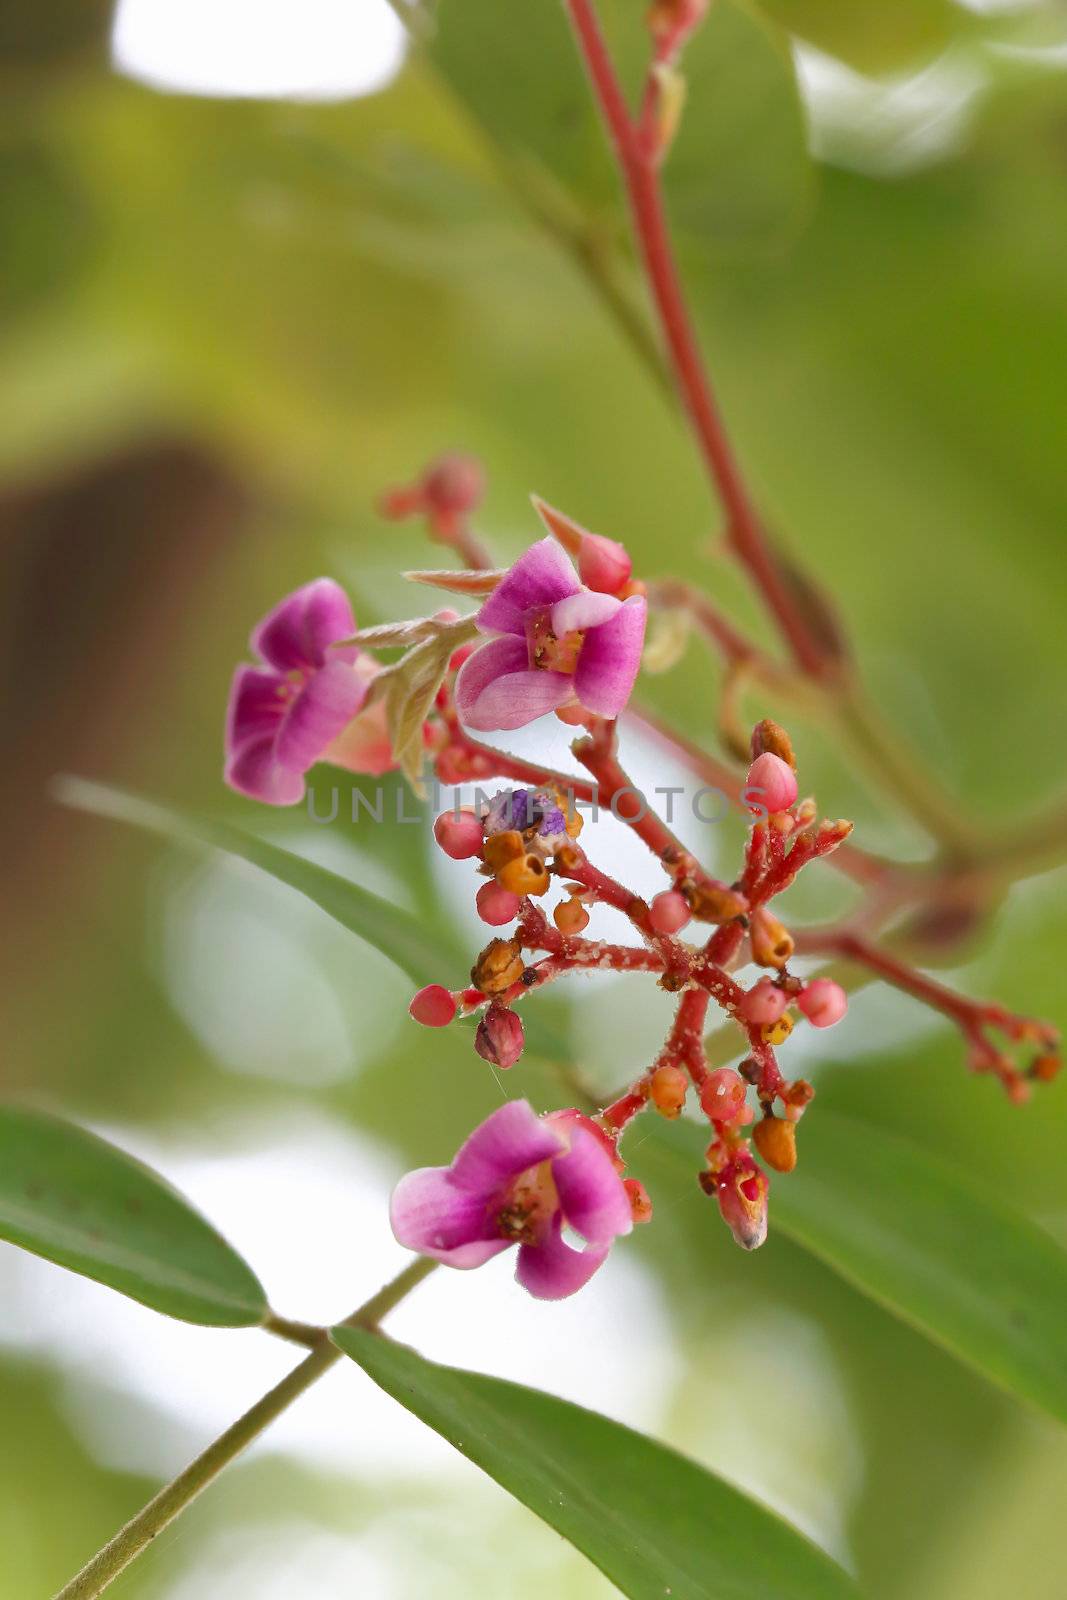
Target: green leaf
{"type": "Point", "coordinates": [655, 1523]}
{"type": "Point", "coordinates": [738, 172]}
{"type": "Point", "coordinates": [78, 1201]}
{"type": "Point", "coordinates": [389, 928]}
{"type": "Point", "coordinates": [943, 1254]}
{"type": "Point", "coordinates": [870, 34]}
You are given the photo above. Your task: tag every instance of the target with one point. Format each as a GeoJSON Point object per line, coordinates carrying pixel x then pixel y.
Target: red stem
{"type": "Point", "coordinates": [640, 177]}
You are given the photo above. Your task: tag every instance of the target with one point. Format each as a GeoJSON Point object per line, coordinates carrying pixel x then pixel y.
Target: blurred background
{"type": "Point", "coordinates": [255, 266]}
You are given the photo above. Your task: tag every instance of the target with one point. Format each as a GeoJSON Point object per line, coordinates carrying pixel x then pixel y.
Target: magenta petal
{"type": "Point", "coordinates": [609, 659]}
{"type": "Point", "coordinates": [551, 1270]}
{"type": "Point", "coordinates": [326, 704]}
{"type": "Point", "coordinates": [586, 609]}
{"type": "Point", "coordinates": [495, 688]}
{"type": "Point", "coordinates": [256, 706]}
{"type": "Point", "coordinates": [539, 578]}
{"type": "Point", "coordinates": [296, 633]}
{"type": "Point", "coordinates": [507, 1143]}
{"type": "Point", "coordinates": [254, 770]}
{"type": "Point", "coordinates": [432, 1214]}
{"type": "Point", "coordinates": [590, 1190]}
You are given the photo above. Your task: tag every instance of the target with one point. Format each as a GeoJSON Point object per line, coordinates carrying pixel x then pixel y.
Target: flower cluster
{"type": "Point", "coordinates": [554, 637]}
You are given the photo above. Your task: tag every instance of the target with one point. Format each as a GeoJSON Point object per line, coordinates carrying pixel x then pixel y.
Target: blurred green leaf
{"type": "Point", "coordinates": [738, 171]}
{"type": "Point", "coordinates": [936, 1249]}
{"type": "Point", "coordinates": [652, 1521]}
{"type": "Point", "coordinates": [78, 1201]}
{"type": "Point", "coordinates": [868, 33]}
{"type": "Point", "coordinates": [390, 929]}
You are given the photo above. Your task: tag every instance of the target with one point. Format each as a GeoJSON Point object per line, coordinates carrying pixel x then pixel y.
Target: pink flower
{"type": "Point", "coordinates": [303, 703]}
{"type": "Point", "coordinates": [561, 642]}
{"type": "Point", "coordinates": [519, 1179]}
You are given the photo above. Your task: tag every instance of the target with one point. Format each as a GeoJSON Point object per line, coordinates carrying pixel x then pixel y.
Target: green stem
{"type": "Point", "coordinates": [139, 1532]}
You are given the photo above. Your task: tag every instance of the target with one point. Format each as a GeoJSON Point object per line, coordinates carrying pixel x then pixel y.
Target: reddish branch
{"type": "Point", "coordinates": [639, 171]}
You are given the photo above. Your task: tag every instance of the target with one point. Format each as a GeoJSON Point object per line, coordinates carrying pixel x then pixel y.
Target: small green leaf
{"type": "Point", "coordinates": [389, 928]}
{"type": "Point", "coordinates": [944, 1255]}
{"type": "Point", "coordinates": [870, 34]}
{"type": "Point", "coordinates": [655, 1523]}
{"type": "Point", "coordinates": [78, 1201]}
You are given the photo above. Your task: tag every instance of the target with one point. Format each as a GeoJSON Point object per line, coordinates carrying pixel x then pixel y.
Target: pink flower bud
{"type": "Point", "coordinates": [823, 1002]}
{"type": "Point", "coordinates": [669, 912]}
{"type": "Point", "coordinates": [496, 905]}
{"type": "Point", "coordinates": [764, 1003]}
{"type": "Point", "coordinates": [722, 1096]}
{"type": "Point", "coordinates": [603, 564]}
{"type": "Point", "coordinates": [455, 483]}
{"type": "Point", "coordinates": [499, 1039]}
{"type": "Point", "coordinates": [433, 1006]}
{"type": "Point", "coordinates": [459, 833]}
{"type": "Point", "coordinates": [772, 784]}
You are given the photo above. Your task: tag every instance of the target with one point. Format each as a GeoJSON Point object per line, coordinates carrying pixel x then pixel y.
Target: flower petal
{"type": "Point", "coordinates": [325, 705]}
{"type": "Point", "coordinates": [551, 1270]}
{"type": "Point", "coordinates": [583, 610]}
{"type": "Point", "coordinates": [363, 746]}
{"type": "Point", "coordinates": [590, 1190]}
{"type": "Point", "coordinates": [609, 659]}
{"type": "Point", "coordinates": [495, 688]}
{"type": "Point", "coordinates": [255, 708]}
{"type": "Point", "coordinates": [509, 1142]}
{"type": "Point", "coordinates": [431, 1214]}
{"type": "Point", "coordinates": [254, 770]}
{"type": "Point", "coordinates": [539, 578]}
{"type": "Point", "coordinates": [296, 633]}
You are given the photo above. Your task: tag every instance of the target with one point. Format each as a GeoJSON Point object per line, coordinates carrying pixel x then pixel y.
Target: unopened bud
{"type": "Point", "coordinates": [499, 1039]}
{"type": "Point", "coordinates": [459, 834]}
{"type": "Point", "coordinates": [640, 1203]}
{"type": "Point", "coordinates": [603, 564]}
{"type": "Point", "coordinates": [496, 906]}
{"type": "Point", "coordinates": [772, 943]}
{"type": "Point", "coordinates": [498, 966]}
{"type": "Point", "coordinates": [711, 902]}
{"type": "Point", "coordinates": [722, 1096]}
{"type": "Point", "coordinates": [669, 912]}
{"type": "Point", "coordinates": [667, 1090]}
{"type": "Point", "coordinates": [1045, 1068]}
{"type": "Point", "coordinates": [455, 483]}
{"type": "Point", "coordinates": [771, 784]}
{"type": "Point", "coordinates": [823, 1002]}
{"type": "Point", "coordinates": [433, 1006]}
{"type": "Point", "coordinates": [768, 738]}
{"type": "Point", "coordinates": [776, 1141]}
{"type": "Point", "coordinates": [764, 1002]}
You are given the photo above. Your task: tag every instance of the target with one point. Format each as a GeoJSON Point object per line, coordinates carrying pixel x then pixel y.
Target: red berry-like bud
{"type": "Point", "coordinates": [455, 483]}
{"type": "Point", "coordinates": [764, 1003]}
{"type": "Point", "coordinates": [771, 784]}
{"type": "Point", "coordinates": [722, 1095]}
{"type": "Point", "coordinates": [433, 1006]}
{"type": "Point", "coordinates": [640, 1203]}
{"type": "Point", "coordinates": [669, 912]}
{"type": "Point", "coordinates": [496, 905]}
{"type": "Point", "coordinates": [499, 1039]}
{"type": "Point", "coordinates": [603, 564]}
{"type": "Point", "coordinates": [823, 1002]}
{"type": "Point", "coordinates": [459, 833]}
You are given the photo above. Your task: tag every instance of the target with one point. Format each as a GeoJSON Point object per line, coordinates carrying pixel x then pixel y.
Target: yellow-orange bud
{"type": "Point", "coordinates": [776, 1141]}
{"type": "Point", "coordinates": [667, 1090]}
{"type": "Point", "coordinates": [498, 966]}
{"type": "Point", "coordinates": [772, 943]}
{"type": "Point", "coordinates": [524, 875]}
{"type": "Point", "coordinates": [777, 1032]}
{"type": "Point", "coordinates": [570, 916]}
{"type": "Point", "coordinates": [501, 848]}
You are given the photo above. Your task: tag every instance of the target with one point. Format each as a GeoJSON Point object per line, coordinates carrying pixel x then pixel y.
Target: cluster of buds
{"type": "Point", "coordinates": [524, 841]}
